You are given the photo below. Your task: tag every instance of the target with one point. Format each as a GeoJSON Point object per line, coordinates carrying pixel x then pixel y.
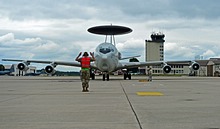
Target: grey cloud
{"type": "Point", "coordinates": [111, 9]}
{"type": "Point", "coordinates": [161, 9]}
{"type": "Point", "coordinates": [202, 8]}
{"type": "Point", "coordinates": [48, 9]}
{"type": "Point", "coordinates": [182, 51]}
{"type": "Point", "coordinates": [62, 25]}
{"type": "Point", "coordinates": [37, 48]}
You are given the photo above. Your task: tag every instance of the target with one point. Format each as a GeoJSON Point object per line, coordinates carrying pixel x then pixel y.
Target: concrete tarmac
{"type": "Point", "coordinates": [58, 103]}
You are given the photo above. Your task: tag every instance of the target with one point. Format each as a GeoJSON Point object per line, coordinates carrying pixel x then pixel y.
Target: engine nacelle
{"type": "Point", "coordinates": [2, 67]}
{"type": "Point", "coordinates": [166, 68]}
{"type": "Point", "coordinates": [50, 69]}
{"type": "Point", "coordinates": [22, 66]}
{"type": "Point", "coordinates": [194, 66]}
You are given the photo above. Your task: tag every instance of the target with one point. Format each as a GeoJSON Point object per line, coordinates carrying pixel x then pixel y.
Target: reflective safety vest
{"type": "Point", "coordinates": [85, 62]}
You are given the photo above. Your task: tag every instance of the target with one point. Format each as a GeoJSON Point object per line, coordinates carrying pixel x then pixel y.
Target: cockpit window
{"type": "Point", "coordinates": [105, 50]}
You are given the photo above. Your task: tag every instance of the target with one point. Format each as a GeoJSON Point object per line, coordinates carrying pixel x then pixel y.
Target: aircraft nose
{"type": "Point", "coordinates": [104, 57]}
{"type": "Point", "coordinates": [104, 63]}
{"type": "Point", "coordinates": [105, 67]}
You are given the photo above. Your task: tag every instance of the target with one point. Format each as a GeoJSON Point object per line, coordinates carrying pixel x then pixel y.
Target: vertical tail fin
{"type": "Point", "coordinates": [12, 69]}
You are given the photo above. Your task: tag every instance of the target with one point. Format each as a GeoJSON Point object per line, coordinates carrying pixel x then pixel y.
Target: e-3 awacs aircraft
{"type": "Point", "coordinates": [108, 58]}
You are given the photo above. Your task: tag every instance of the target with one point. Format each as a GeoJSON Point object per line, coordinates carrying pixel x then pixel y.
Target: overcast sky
{"type": "Point", "coordinates": [57, 29]}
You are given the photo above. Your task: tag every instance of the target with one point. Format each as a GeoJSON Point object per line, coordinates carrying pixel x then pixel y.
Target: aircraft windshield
{"type": "Point", "coordinates": [105, 50]}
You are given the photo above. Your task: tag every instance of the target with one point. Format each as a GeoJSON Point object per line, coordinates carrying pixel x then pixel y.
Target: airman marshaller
{"type": "Point", "coordinates": [85, 69]}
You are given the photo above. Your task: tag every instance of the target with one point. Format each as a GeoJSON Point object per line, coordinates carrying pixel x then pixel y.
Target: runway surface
{"type": "Point", "coordinates": [58, 103]}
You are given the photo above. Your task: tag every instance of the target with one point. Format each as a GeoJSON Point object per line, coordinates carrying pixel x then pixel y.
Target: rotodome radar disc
{"type": "Point", "coordinates": [109, 30]}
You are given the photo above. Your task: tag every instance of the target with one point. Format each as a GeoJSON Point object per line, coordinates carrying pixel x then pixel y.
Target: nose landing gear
{"type": "Point", "coordinates": [105, 76]}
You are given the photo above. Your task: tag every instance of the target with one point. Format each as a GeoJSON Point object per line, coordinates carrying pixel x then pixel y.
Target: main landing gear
{"type": "Point", "coordinates": [105, 76]}
{"type": "Point", "coordinates": [92, 74]}
{"type": "Point", "coordinates": [127, 75]}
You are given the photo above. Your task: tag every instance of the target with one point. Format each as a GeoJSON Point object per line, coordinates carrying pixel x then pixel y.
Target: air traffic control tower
{"type": "Point", "coordinates": [154, 48]}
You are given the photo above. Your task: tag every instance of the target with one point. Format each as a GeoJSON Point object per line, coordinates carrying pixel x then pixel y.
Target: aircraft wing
{"type": "Point", "coordinates": [66, 63]}
{"type": "Point", "coordinates": [77, 64]}
{"type": "Point", "coordinates": [123, 65]}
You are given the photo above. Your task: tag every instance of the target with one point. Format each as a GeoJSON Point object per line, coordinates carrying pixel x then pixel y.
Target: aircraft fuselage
{"type": "Point", "coordinates": [107, 57]}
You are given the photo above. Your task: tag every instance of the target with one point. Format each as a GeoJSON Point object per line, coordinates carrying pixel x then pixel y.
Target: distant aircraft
{"type": "Point", "coordinates": [108, 58]}
{"type": "Point", "coordinates": [6, 72]}
{"type": "Point", "coordinates": [35, 74]}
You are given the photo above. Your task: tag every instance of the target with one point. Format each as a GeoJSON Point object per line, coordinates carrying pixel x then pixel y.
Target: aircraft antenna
{"type": "Point", "coordinates": [114, 39]}
{"type": "Point", "coordinates": [106, 38]}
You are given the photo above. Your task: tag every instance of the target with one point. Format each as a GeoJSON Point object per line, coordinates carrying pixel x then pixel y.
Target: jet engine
{"type": "Point", "coordinates": [166, 68]}
{"type": "Point", "coordinates": [22, 66]}
{"type": "Point", "coordinates": [2, 67]}
{"type": "Point", "coordinates": [135, 69]}
{"type": "Point", "coordinates": [194, 66]}
{"type": "Point", "coordinates": [50, 69]}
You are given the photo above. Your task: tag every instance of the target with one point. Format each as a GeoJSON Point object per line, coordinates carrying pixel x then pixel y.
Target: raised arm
{"type": "Point", "coordinates": [93, 58]}
{"type": "Point", "coordinates": [77, 58]}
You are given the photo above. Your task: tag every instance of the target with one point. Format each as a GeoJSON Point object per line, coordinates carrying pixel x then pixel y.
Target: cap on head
{"type": "Point", "coordinates": [85, 54]}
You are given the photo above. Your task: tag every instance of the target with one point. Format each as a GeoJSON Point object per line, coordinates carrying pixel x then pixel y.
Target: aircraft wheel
{"type": "Point", "coordinates": [107, 77]}
{"type": "Point", "coordinates": [93, 76]}
{"type": "Point", "coordinates": [103, 77]}
{"type": "Point", "coordinates": [129, 76]}
{"type": "Point", "coordinates": [125, 76]}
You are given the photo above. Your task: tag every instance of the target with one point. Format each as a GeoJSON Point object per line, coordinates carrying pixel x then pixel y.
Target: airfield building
{"type": "Point", "coordinates": [155, 47]}
{"type": "Point", "coordinates": [154, 50]}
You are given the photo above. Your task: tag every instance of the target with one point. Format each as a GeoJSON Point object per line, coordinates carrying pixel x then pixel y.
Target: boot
{"type": "Point", "coordinates": [84, 89]}
{"type": "Point", "coordinates": [87, 87]}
